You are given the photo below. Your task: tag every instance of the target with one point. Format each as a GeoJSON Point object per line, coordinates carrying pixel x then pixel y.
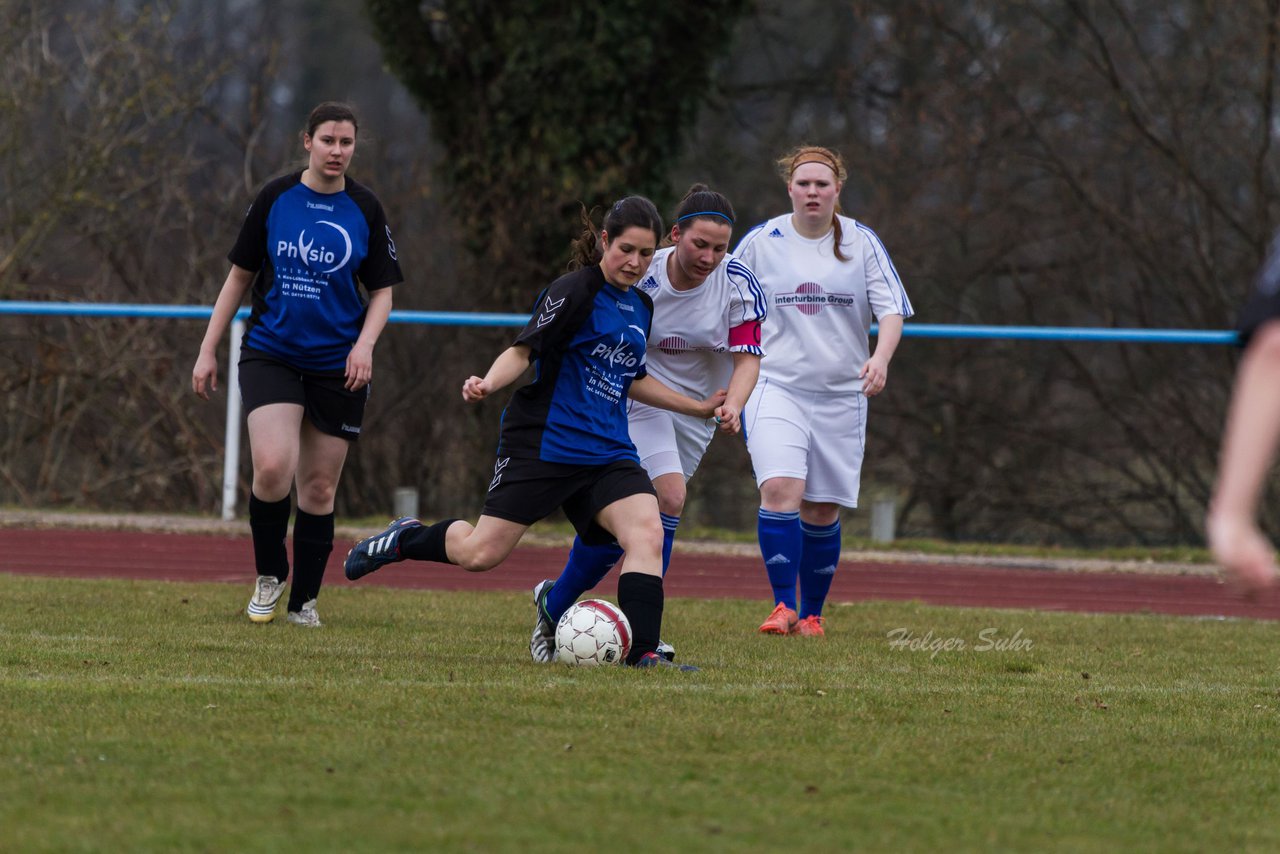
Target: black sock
{"type": "Point", "coordinates": [426, 543]}
{"type": "Point", "coordinates": [269, 522]}
{"type": "Point", "coordinates": [312, 543]}
{"type": "Point", "coordinates": [640, 598]}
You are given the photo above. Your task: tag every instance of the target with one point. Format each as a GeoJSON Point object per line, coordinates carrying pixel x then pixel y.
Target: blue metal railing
{"type": "Point", "coordinates": [449, 318]}
{"type": "Point", "coordinates": [456, 318]}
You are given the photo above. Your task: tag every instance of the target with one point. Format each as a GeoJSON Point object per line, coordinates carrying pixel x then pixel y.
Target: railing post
{"type": "Point", "coordinates": [405, 501]}
{"type": "Point", "coordinates": [231, 462]}
{"type": "Point", "coordinates": [884, 512]}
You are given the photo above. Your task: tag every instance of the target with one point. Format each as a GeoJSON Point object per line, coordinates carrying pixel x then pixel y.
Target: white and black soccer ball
{"type": "Point", "coordinates": [593, 632]}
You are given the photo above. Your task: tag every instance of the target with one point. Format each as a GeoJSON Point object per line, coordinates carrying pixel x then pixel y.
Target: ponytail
{"type": "Point", "coordinates": [632, 211]}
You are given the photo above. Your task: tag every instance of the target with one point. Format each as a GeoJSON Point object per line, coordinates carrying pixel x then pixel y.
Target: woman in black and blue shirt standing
{"type": "Point", "coordinates": [309, 242]}
{"type": "Point", "coordinates": [564, 440]}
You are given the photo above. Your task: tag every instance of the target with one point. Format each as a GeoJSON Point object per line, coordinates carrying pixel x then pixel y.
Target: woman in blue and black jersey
{"type": "Point", "coordinates": [708, 313]}
{"type": "Point", "coordinates": [310, 241]}
{"type": "Point", "coordinates": [564, 440]}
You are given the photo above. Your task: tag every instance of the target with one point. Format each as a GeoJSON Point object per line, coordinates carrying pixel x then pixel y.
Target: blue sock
{"type": "Point", "coordinates": [781, 546]}
{"type": "Point", "coordinates": [669, 525]}
{"type": "Point", "coordinates": [818, 566]}
{"type": "Point", "coordinates": [583, 571]}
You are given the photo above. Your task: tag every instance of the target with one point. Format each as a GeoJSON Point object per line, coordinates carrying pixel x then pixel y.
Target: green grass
{"type": "Point", "coordinates": [152, 716]}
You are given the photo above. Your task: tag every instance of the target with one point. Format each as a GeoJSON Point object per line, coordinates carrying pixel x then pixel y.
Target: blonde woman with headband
{"type": "Point", "coordinates": [826, 276]}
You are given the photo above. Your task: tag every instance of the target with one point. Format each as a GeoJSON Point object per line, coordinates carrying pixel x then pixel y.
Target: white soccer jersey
{"type": "Point", "coordinates": [691, 337]}
{"type": "Point", "coordinates": [820, 308]}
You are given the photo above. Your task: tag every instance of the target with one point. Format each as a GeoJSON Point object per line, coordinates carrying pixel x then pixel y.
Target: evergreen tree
{"type": "Point", "coordinates": [543, 106]}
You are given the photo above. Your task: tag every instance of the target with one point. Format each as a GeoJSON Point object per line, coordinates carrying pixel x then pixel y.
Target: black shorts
{"type": "Point", "coordinates": [524, 491]}
{"type": "Point", "coordinates": [323, 396]}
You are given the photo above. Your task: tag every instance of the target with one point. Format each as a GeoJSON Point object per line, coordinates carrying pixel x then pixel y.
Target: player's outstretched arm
{"type": "Point", "coordinates": [506, 369]}
{"type": "Point", "coordinates": [652, 392]}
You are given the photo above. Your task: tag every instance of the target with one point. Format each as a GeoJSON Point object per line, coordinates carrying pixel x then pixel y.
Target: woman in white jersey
{"type": "Point", "coordinates": [707, 314]}
{"type": "Point", "coordinates": [825, 276]}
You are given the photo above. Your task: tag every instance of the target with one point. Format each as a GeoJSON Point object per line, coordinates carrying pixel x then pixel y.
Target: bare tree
{"type": "Point", "coordinates": [109, 185]}
{"type": "Point", "coordinates": [1046, 163]}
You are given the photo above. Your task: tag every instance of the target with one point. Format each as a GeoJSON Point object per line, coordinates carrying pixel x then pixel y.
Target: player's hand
{"type": "Point", "coordinates": [359, 367]}
{"type": "Point", "coordinates": [728, 419]}
{"type": "Point", "coordinates": [475, 388]}
{"type": "Point", "coordinates": [1243, 551]}
{"type": "Point", "coordinates": [204, 376]}
{"type": "Point", "coordinates": [874, 376]}
{"type": "Point", "coordinates": [707, 408]}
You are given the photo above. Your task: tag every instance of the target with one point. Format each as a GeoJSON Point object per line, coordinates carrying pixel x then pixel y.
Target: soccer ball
{"type": "Point", "coordinates": [593, 632]}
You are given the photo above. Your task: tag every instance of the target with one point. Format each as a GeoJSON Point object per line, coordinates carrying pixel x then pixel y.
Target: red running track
{"type": "Point", "coordinates": [187, 557]}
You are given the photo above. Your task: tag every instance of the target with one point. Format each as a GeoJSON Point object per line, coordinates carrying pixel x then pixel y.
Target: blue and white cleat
{"type": "Point", "coordinates": [379, 550]}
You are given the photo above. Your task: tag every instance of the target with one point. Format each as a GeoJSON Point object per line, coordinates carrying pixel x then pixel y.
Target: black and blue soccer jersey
{"type": "Point", "coordinates": [309, 250]}
{"type": "Point", "coordinates": [588, 341]}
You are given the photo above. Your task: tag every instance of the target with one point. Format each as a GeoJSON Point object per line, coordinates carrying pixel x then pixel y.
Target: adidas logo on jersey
{"type": "Point", "coordinates": [649, 284]}
{"type": "Point", "coordinates": [777, 559]}
{"type": "Point", "coordinates": [775, 233]}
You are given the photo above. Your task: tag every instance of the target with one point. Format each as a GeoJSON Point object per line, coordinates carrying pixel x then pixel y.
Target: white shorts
{"type": "Point", "coordinates": [812, 436]}
{"type": "Point", "coordinates": [668, 442]}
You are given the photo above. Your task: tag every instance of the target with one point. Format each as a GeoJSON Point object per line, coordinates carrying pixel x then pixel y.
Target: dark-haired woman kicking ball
{"type": "Point", "coordinates": [564, 440]}
{"type": "Point", "coordinates": [708, 311]}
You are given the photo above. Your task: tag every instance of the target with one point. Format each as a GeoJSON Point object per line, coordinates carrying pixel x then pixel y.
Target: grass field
{"type": "Point", "coordinates": [153, 716]}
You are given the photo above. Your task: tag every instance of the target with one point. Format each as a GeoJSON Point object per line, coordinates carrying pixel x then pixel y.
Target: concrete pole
{"type": "Point", "coordinates": [231, 462]}
{"type": "Point", "coordinates": [884, 512]}
{"type": "Point", "coordinates": [405, 501]}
